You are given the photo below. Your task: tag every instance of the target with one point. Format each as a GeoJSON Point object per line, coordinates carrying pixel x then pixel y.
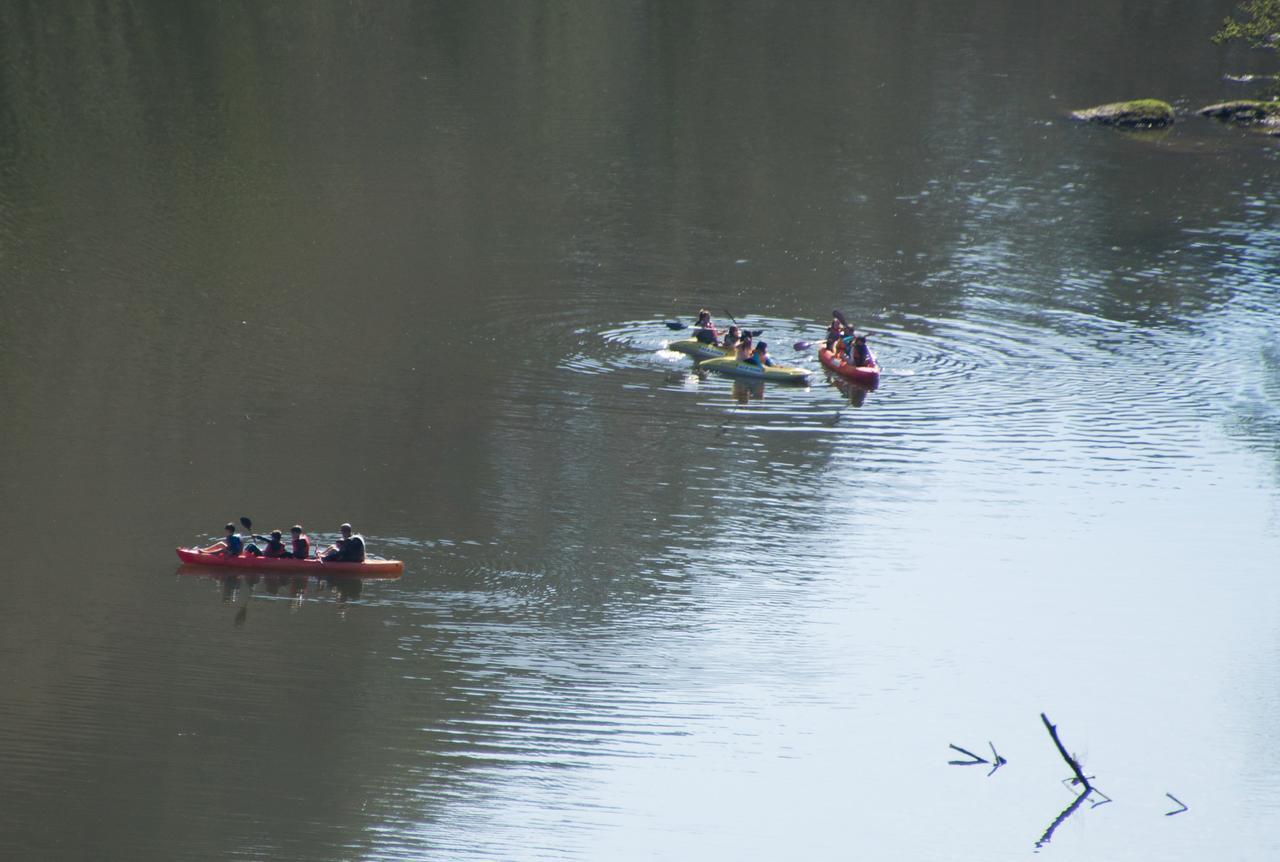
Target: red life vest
{"type": "Point", "coordinates": [301, 547]}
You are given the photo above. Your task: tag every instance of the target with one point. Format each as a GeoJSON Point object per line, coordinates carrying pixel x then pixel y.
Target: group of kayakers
{"type": "Point", "coordinates": [842, 340]}
{"type": "Point", "coordinates": [848, 344]}
{"type": "Point", "coordinates": [744, 348]}
{"type": "Point", "coordinates": [348, 549]}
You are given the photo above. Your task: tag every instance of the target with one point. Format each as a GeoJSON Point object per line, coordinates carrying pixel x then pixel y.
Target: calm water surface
{"type": "Point", "coordinates": [408, 266]}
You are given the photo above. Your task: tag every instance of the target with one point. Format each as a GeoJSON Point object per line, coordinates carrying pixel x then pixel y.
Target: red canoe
{"type": "Point", "coordinates": [310, 567]}
{"type": "Point", "coordinates": [868, 375]}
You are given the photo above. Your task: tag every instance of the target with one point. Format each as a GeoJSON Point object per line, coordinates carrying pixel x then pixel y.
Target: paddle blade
{"type": "Point", "coordinates": [672, 324]}
{"type": "Point", "coordinates": [840, 317]}
{"type": "Point", "coordinates": [246, 523]}
{"type": "Point", "coordinates": [803, 345]}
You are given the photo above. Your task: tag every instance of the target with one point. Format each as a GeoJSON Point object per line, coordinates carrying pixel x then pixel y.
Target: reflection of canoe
{"type": "Point", "coordinates": [781, 373]}
{"type": "Point", "coordinates": [699, 349]}
{"type": "Point", "coordinates": [311, 567]}
{"type": "Point", "coordinates": [867, 375]}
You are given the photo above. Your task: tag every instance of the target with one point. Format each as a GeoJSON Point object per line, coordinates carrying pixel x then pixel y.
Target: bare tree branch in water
{"type": "Point", "coordinates": [1071, 761]}
{"type": "Point", "coordinates": [1180, 802]}
{"type": "Point", "coordinates": [1080, 778]}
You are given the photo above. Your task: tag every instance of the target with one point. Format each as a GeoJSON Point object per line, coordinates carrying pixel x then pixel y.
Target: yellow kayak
{"type": "Point", "coordinates": [779, 373]}
{"type": "Point", "coordinates": [699, 349]}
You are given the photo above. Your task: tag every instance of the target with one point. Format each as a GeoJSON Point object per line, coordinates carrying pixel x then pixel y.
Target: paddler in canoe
{"type": "Point", "coordinates": [862, 357]}
{"type": "Point", "coordinates": [348, 549]}
{"type": "Point", "coordinates": [835, 330]}
{"type": "Point", "coordinates": [300, 544]}
{"type": "Point", "coordinates": [854, 350]}
{"type": "Point", "coordinates": [273, 549]}
{"type": "Point", "coordinates": [231, 546]}
{"type": "Point", "coordinates": [704, 329]}
{"type": "Point", "coordinates": [299, 547]}
{"type": "Point", "coordinates": [760, 355]}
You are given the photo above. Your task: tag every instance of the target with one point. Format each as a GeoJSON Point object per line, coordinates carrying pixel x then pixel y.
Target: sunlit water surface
{"type": "Point", "coordinates": [410, 266]}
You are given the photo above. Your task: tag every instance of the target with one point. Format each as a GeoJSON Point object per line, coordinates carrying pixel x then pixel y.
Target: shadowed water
{"type": "Point", "coordinates": [409, 266]}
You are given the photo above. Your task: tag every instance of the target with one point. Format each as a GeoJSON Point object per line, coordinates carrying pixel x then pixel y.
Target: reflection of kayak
{"type": "Point", "coordinates": [781, 373]}
{"type": "Point", "coordinates": [866, 374]}
{"type": "Point", "coordinates": [699, 349]}
{"type": "Point", "coordinates": [312, 567]}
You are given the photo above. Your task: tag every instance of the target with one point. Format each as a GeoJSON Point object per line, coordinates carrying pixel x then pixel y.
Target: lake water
{"type": "Point", "coordinates": [408, 266]}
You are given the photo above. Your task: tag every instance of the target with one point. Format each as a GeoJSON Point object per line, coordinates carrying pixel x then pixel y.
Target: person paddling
{"type": "Point", "coordinates": [731, 337]}
{"type": "Point", "coordinates": [835, 331]}
{"type": "Point", "coordinates": [300, 547]}
{"type": "Point", "coordinates": [274, 547]}
{"type": "Point", "coordinates": [860, 354]}
{"type": "Point", "coordinates": [704, 330]}
{"type": "Point", "coordinates": [348, 549]}
{"type": "Point", "coordinates": [231, 546]}
{"type": "Point", "coordinates": [743, 352]}
{"type": "Point", "coordinates": [760, 356]}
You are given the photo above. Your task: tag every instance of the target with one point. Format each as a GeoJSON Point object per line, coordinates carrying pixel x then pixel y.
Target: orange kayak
{"type": "Point", "coordinates": [868, 375]}
{"type": "Point", "coordinates": [309, 567]}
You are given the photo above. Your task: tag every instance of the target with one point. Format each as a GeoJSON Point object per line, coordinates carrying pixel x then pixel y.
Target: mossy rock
{"type": "Point", "coordinates": [1246, 112]}
{"type": "Point", "coordinates": [1138, 114]}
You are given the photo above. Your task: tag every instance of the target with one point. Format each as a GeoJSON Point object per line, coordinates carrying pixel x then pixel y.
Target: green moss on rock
{"type": "Point", "coordinates": [1247, 112]}
{"type": "Point", "coordinates": [1137, 114]}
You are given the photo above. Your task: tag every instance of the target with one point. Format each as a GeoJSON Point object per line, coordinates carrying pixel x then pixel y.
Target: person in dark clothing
{"type": "Point", "coordinates": [835, 332]}
{"type": "Point", "coordinates": [231, 546]}
{"type": "Point", "coordinates": [274, 548]}
{"type": "Point", "coordinates": [704, 330]}
{"type": "Point", "coordinates": [859, 354]}
{"type": "Point", "coordinates": [348, 549]}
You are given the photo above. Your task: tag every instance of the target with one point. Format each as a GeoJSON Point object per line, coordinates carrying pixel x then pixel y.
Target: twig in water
{"type": "Point", "coordinates": [1180, 802]}
{"type": "Point", "coordinates": [1071, 761]}
{"type": "Point", "coordinates": [974, 762]}
{"type": "Point", "coordinates": [997, 761]}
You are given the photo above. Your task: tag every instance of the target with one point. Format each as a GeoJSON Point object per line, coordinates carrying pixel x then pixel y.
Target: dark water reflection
{"type": "Point", "coordinates": [408, 266]}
